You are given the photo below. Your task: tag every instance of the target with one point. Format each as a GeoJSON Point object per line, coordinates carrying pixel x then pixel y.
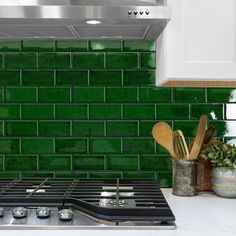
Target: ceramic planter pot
{"type": "Point", "coordinates": [223, 180]}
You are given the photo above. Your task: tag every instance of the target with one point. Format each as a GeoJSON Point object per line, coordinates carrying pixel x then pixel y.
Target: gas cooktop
{"type": "Point", "coordinates": [83, 203]}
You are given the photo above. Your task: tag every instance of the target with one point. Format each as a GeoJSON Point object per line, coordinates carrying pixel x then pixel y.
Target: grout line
{"type": "Point", "coordinates": [71, 162]}
{"type": "Point", "coordinates": [88, 77]}
{"type": "Point", "coordinates": [105, 60]}
{"type": "Point", "coordinates": [55, 77]}
{"type": "Point", "coordinates": [20, 111]}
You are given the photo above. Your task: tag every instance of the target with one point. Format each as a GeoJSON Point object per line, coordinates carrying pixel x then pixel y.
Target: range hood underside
{"type": "Point", "coordinates": [70, 22]}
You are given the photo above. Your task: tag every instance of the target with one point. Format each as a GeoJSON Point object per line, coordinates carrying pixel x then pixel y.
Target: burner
{"type": "Point", "coordinates": [120, 203]}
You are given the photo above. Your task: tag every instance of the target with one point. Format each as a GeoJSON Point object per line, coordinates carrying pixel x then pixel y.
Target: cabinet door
{"type": "Point", "coordinates": [199, 43]}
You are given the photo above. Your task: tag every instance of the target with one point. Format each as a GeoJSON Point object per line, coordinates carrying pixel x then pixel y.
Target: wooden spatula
{"type": "Point", "coordinates": [163, 134]}
{"type": "Point", "coordinates": [197, 144]}
{"type": "Point", "coordinates": [180, 145]}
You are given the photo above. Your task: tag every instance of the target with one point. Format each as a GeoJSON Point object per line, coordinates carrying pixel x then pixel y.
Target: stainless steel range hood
{"type": "Point", "coordinates": [134, 19]}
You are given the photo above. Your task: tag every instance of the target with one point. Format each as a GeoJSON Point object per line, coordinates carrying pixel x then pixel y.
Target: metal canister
{"type": "Point", "coordinates": [184, 177]}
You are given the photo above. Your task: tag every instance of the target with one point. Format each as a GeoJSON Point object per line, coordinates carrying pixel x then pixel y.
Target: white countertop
{"type": "Point", "coordinates": [202, 215]}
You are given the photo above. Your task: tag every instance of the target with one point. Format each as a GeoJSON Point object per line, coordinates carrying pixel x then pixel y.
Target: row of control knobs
{"type": "Point", "coordinates": [135, 12]}
{"type": "Point", "coordinates": [41, 212]}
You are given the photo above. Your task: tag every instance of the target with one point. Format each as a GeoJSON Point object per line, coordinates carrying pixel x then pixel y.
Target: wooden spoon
{"type": "Point", "coordinates": [198, 141]}
{"type": "Point", "coordinates": [163, 134]}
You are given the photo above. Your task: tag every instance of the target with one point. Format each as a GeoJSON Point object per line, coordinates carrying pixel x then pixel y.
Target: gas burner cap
{"type": "Point", "coordinates": [65, 214]}
{"type": "Point", "coordinates": [19, 212]}
{"type": "Point", "coordinates": [120, 202]}
{"type": "Point", "coordinates": [1, 212]}
{"type": "Point", "coordinates": [43, 212]}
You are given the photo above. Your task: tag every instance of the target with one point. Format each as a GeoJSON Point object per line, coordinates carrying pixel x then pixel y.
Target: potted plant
{"type": "Point", "coordinates": [223, 176]}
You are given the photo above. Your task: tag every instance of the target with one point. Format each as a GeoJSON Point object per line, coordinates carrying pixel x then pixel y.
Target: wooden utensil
{"type": "Point", "coordinates": [198, 141]}
{"type": "Point", "coordinates": [180, 145]}
{"type": "Point", "coordinates": [208, 135]}
{"type": "Point", "coordinates": [163, 134]}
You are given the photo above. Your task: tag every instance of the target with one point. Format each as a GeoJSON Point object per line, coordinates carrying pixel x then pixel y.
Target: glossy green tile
{"type": "Point", "coordinates": [71, 112]}
{"type": "Point", "coordinates": [1, 94]}
{"type": "Point", "coordinates": [54, 129]}
{"type": "Point", "coordinates": [10, 45]}
{"type": "Point", "coordinates": [54, 162]}
{"type": "Point", "coordinates": [154, 95]}
{"type": "Point", "coordinates": [1, 129]}
{"type": "Point", "coordinates": [21, 129]}
{"type": "Point", "coordinates": [73, 146]}
{"type": "Point", "coordinates": [9, 112]}
{"type": "Point", "coordinates": [71, 77]}
{"type": "Point", "coordinates": [139, 175]}
{"type": "Point", "coordinates": [37, 112]}
{"type": "Point", "coordinates": [189, 128]}
{"type": "Point", "coordinates": [105, 45]}
{"type": "Point", "coordinates": [173, 111]}
{"type": "Point", "coordinates": [35, 77]}
{"type": "Point", "coordinates": [20, 94]}
{"type": "Point", "coordinates": [87, 95]}
{"type": "Point", "coordinates": [213, 111]}
{"type": "Point", "coordinates": [88, 129]}
{"type": "Point", "coordinates": [191, 95]}
{"type": "Point", "coordinates": [121, 95]}
{"type": "Point", "coordinates": [20, 163]}
{"type": "Point", "coordinates": [15, 175]}
{"type": "Point", "coordinates": [71, 46]}
{"type": "Point", "coordinates": [105, 146]}
{"type": "Point", "coordinates": [38, 45]}
{"type": "Point", "coordinates": [145, 112]}
{"type": "Point", "coordinates": [165, 179]}
{"type": "Point", "coordinates": [145, 128]}
{"type": "Point", "coordinates": [54, 94]}
{"type": "Point", "coordinates": [37, 175]}
{"type": "Point", "coordinates": [8, 146]}
{"type": "Point", "coordinates": [19, 60]}
{"type": "Point", "coordinates": [52, 60]}
{"type": "Point", "coordinates": [88, 60]}
{"type": "Point", "coordinates": [122, 163]}
{"type": "Point", "coordinates": [37, 146]}
{"type": "Point", "coordinates": [138, 146]}
{"type": "Point", "coordinates": [88, 162]}
{"type": "Point", "coordinates": [69, 175]}
{"type": "Point", "coordinates": [1, 163]}
{"type": "Point", "coordinates": [139, 45]}
{"type": "Point", "coordinates": [9, 77]}
{"type": "Point", "coordinates": [1, 61]}
{"type": "Point", "coordinates": [122, 60]}
{"type": "Point", "coordinates": [122, 129]}
{"type": "Point", "coordinates": [221, 95]}
{"type": "Point", "coordinates": [104, 175]}
{"type": "Point", "coordinates": [139, 78]}
{"type": "Point", "coordinates": [155, 163]}
{"type": "Point", "coordinates": [224, 128]}
{"type": "Point", "coordinates": [105, 77]}
{"type": "Point", "coordinates": [230, 111]}
{"type": "Point", "coordinates": [106, 111]}
{"type": "Point", "coordinates": [148, 60]}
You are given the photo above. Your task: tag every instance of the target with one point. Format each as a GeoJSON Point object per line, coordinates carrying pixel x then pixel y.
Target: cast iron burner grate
{"type": "Point", "coordinates": [110, 199]}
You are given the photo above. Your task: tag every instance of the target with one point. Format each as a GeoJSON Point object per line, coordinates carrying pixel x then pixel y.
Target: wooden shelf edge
{"type": "Point", "coordinates": [178, 83]}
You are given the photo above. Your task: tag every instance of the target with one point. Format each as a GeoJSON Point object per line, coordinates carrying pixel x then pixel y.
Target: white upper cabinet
{"type": "Point", "coordinates": [198, 44]}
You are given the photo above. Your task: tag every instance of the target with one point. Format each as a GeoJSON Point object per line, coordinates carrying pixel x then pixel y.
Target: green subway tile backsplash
{"type": "Point", "coordinates": [37, 78]}
{"type": "Point", "coordinates": [20, 60]}
{"type": "Point", "coordinates": [85, 109]}
{"type": "Point", "coordinates": [9, 77]}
